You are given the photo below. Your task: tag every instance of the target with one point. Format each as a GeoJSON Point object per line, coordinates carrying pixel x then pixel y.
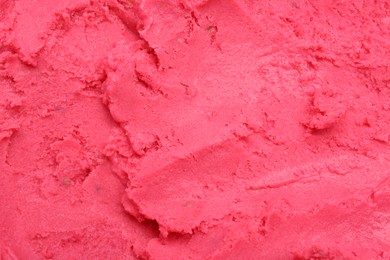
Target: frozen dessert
{"type": "Point", "coordinates": [194, 129]}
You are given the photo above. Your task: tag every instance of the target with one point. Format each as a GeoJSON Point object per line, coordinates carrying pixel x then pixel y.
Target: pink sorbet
{"type": "Point", "coordinates": [194, 129]}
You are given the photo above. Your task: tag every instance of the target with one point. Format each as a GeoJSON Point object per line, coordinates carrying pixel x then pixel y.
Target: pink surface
{"type": "Point", "coordinates": [194, 129]}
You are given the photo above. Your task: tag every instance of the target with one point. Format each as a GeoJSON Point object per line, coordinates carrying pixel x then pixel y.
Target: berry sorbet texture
{"type": "Point", "coordinates": [194, 129]}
